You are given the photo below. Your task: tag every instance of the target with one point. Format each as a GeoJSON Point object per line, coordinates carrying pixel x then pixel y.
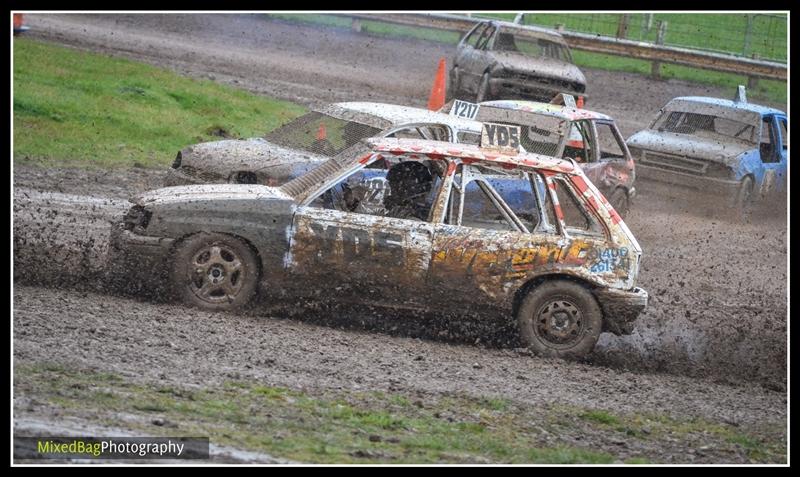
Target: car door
{"type": "Point", "coordinates": [772, 176]}
{"type": "Point", "coordinates": [476, 62]}
{"type": "Point", "coordinates": [608, 166]}
{"type": "Point", "coordinates": [494, 233]}
{"type": "Point", "coordinates": [360, 254]}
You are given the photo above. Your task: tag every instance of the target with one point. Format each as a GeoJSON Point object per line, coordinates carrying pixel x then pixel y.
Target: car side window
{"type": "Point", "coordinates": [475, 35]}
{"type": "Point", "coordinates": [576, 219]}
{"type": "Point", "coordinates": [486, 199]}
{"type": "Point", "coordinates": [485, 37]}
{"type": "Point", "coordinates": [768, 140]}
{"type": "Point", "coordinates": [784, 133]}
{"type": "Point", "coordinates": [579, 143]}
{"type": "Point", "coordinates": [609, 142]}
{"type": "Point", "coordinates": [398, 187]}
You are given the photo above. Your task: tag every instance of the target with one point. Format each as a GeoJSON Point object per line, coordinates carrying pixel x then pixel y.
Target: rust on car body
{"type": "Point", "coordinates": [502, 60]}
{"type": "Point", "coordinates": [435, 251]}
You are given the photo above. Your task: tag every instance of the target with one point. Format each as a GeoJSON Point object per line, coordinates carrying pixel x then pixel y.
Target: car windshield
{"type": "Point", "coordinates": [541, 134]}
{"type": "Point", "coordinates": [321, 134]}
{"type": "Point", "coordinates": [529, 46]}
{"type": "Point", "coordinates": [707, 125]}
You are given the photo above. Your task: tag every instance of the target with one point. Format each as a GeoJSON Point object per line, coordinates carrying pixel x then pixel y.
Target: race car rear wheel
{"type": "Point", "coordinates": [560, 319]}
{"type": "Point", "coordinates": [215, 272]}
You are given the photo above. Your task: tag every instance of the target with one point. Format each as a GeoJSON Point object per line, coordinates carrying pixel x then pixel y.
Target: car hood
{"type": "Point", "coordinates": [690, 146]}
{"type": "Point", "coordinates": [543, 66]}
{"type": "Point", "coordinates": [206, 192]}
{"type": "Point", "coordinates": [256, 154]}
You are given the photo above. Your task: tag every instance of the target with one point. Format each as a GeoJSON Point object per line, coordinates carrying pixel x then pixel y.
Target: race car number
{"type": "Point", "coordinates": [502, 137]}
{"type": "Point", "coordinates": [464, 109]}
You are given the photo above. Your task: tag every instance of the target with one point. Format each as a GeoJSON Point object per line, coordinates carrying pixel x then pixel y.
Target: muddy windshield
{"type": "Point", "coordinates": [706, 125]}
{"type": "Point", "coordinates": [528, 46]}
{"type": "Point", "coordinates": [321, 134]}
{"type": "Point", "coordinates": [541, 134]}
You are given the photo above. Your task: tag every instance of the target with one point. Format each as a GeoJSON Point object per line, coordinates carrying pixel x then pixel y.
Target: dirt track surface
{"type": "Point", "coordinates": [712, 343]}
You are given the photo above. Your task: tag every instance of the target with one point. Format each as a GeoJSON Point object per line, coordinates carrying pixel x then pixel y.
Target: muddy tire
{"type": "Point", "coordinates": [483, 89]}
{"type": "Point", "coordinates": [619, 200]}
{"type": "Point", "coordinates": [215, 272]}
{"type": "Point", "coordinates": [560, 319]}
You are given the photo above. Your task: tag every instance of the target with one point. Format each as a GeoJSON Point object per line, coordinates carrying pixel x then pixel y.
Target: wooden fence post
{"type": "Point", "coordinates": [622, 28]}
{"type": "Point", "coordinates": [655, 71]}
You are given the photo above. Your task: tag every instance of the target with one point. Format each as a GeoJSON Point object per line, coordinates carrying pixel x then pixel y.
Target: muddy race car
{"type": "Point", "coordinates": [309, 140]}
{"type": "Point", "coordinates": [563, 264]}
{"type": "Point", "coordinates": [502, 60]}
{"type": "Point", "coordinates": [563, 130]}
{"type": "Point", "coordinates": [730, 149]}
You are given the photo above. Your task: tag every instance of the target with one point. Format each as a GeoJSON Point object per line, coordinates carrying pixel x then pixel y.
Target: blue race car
{"type": "Point", "coordinates": [731, 149]}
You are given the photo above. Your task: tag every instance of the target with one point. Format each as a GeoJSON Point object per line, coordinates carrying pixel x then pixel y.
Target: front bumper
{"type": "Point", "coordinates": [138, 256]}
{"type": "Point", "coordinates": [621, 308]}
{"type": "Point", "coordinates": [504, 88]}
{"type": "Point", "coordinates": [678, 182]}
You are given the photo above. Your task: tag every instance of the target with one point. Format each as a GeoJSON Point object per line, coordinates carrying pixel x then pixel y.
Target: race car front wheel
{"type": "Point", "coordinates": [560, 319]}
{"type": "Point", "coordinates": [215, 272]}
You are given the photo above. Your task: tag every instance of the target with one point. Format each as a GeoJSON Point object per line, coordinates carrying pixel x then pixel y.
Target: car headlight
{"type": "Point", "coordinates": [137, 217]}
{"type": "Point", "coordinates": [720, 171]}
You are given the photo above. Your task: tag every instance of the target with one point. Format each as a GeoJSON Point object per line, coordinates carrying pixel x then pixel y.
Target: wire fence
{"type": "Point", "coordinates": [762, 35]}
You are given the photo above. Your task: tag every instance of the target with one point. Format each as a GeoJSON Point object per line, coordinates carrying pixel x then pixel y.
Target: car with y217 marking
{"type": "Point", "coordinates": [559, 261]}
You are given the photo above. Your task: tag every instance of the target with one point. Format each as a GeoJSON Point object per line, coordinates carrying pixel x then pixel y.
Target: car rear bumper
{"type": "Point", "coordinates": [621, 308]}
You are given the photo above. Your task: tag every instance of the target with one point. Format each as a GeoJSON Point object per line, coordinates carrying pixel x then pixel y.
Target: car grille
{"type": "Point", "coordinates": [543, 81]}
{"type": "Point", "coordinates": [674, 163]}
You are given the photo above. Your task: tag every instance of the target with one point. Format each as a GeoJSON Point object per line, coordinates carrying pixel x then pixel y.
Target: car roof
{"type": "Point", "coordinates": [395, 115]}
{"type": "Point", "coordinates": [548, 109]}
{"type": "Point", "coordinates": [727, 103]}
{"type": "Point", "coordinates": [469, 151]}
{"type": "Point", "coordinates": [530, 30]}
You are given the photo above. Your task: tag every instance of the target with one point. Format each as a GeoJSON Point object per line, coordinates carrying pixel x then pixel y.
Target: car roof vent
{"type": "Point", "coordinates": [741, 94]}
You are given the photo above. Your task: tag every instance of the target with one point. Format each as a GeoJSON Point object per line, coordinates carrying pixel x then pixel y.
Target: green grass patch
{"type": "Point", "coordinates": [600, 416]}
{"type": "Point", "coordinates": [377, 427]}
{"type": "Point", "coordinates": [86, 109]}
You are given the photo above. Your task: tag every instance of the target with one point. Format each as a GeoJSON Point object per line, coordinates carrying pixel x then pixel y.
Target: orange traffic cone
{"type": "Point", "coordinates": [436, 101]}
{"type": "Point", "coordinates": [322, 134]}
